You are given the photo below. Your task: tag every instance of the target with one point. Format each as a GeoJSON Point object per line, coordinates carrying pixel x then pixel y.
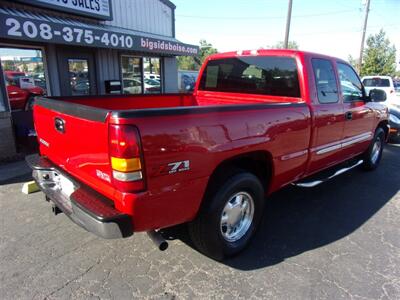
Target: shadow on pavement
{"type": "Point", "coordinates": [297, 220]}
{"type": "Point", "coordinates": [20, 179]}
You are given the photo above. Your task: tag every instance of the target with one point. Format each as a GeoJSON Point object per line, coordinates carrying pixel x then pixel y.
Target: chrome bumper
{"type": "Point", "coordinates": [81, 204]}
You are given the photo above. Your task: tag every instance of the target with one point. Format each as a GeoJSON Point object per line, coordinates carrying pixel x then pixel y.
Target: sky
{"type": "Point", "coordinates": [322, 26]}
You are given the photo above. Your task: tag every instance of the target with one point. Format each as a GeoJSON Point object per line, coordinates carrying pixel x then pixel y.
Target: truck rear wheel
{"type": "Point", "coordinates": [230, 216]}
{"type": "Point", "coordinates": [373, 154]}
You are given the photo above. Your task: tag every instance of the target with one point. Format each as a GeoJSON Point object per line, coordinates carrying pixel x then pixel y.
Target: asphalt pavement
{"type": "Point", "coordinates": [340, 240]}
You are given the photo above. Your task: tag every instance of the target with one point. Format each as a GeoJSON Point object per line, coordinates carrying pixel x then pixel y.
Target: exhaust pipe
{"type": "Point", "coordinates": [157, 239]}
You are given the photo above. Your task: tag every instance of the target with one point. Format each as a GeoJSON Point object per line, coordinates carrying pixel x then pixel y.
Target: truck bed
{"type": "Point", "coordinates": [152, 101]}
{"type": "Point", "coordinates": [173, 128]}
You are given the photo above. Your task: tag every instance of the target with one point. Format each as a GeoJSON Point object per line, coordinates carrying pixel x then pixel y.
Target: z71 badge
{"type": "Point", "coordinates": [174, 167]}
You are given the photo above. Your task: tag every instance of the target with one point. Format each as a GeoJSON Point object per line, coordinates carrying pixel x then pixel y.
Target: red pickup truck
{"type": "Point", "coordinates": [257, 121]}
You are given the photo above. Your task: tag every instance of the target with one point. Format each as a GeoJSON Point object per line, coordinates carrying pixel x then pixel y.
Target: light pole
{"type": "Point", "coordinates": [289, 16]}
{"type": "Point", "coordinates": [363, 36]}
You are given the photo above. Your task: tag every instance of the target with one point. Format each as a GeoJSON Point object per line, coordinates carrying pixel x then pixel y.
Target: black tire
{"type": "Point", "coordinates": [29, 103]}
{"type": "Point", "coordinates": [206, 231]}
{"type": "Point", "coordinates": [371, 157]}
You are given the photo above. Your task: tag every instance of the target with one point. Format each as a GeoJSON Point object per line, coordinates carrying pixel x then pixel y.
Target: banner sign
{"type": "Point", "coordinates": [29, 29]}
{"type": "Point", "coordinates": [99, 9]}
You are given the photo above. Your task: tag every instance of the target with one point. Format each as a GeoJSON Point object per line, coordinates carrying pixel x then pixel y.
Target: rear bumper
{"type": "Point", "coordinates": [81, 204]}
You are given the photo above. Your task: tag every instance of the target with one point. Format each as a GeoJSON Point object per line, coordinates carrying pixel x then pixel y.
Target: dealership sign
{"type": "Point", "coordinates": [44, 30]}
{"type": "Point", "coordinates": [99, 9]}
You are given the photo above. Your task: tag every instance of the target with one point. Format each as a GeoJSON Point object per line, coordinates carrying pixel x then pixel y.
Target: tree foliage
{"type": "Point", "coordinates": [195, 62]}
{"type": "Point", "coordinates": [353, 61]}
{"type": "Point", "coordinates": [379, 57]}
{"type": "Point", "coordinates": [291, 45]}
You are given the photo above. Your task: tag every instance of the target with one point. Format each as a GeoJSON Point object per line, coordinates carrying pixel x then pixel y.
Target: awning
{"type": "Point", "coordinates": [38, 27]}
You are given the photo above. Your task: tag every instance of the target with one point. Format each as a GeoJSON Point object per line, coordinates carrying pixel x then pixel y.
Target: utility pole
{"type": "Point", "coordinates": [363, 36]}
{"type": "Point", "coordinates": [289, 16]}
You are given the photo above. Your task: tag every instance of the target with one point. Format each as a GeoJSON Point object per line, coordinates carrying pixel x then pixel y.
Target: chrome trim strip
{"type": "Point", "coordinates": [294, 155]}
{"type": "Point", "coordinates": [357, 140]}
{"type": "Point", "coordinates": [342, 143]}
{"type": "Point", "coordinates": [329, 149]}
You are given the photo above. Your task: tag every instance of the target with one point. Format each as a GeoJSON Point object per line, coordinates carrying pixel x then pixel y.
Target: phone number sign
{"type": "Point", "coordinates": [16, 27]}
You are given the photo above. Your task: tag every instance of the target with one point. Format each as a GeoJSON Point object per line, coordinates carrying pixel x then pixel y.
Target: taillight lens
{"type": "Point", "coordinates": [124, 141]}
{"type": "Point", "coordinates": [125, 158]}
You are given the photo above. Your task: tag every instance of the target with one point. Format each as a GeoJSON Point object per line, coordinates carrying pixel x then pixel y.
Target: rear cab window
{"type": "Point", "coordinates": [376, 82]}
{"type": "Point", "coordinates": [263, 75]}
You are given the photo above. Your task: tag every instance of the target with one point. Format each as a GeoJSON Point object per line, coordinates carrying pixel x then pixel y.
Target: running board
{"type": "Point", "coordinates": [317, 182]}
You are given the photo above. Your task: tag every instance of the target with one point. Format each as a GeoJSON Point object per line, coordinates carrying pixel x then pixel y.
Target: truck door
{"type": "Point", "coordinates": [359, 118]}
{"type": "Point", "coordinates": [328, 117]}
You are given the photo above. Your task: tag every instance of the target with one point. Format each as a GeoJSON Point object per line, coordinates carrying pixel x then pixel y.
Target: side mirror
{"type": "Point", "coordinates": [377, 95]}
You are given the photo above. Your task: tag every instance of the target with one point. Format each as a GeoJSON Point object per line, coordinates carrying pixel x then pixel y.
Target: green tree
{"type": "Point", "coordinates": [379, 57]}
{"type": "Point", "coordinates": [352, 61]}
{"type": "Point", "coordinates": [8, 65]}
{"type": "Point", "coordinates": [291, 45]}
{"type": "Point", "coordinates": [195, 62]}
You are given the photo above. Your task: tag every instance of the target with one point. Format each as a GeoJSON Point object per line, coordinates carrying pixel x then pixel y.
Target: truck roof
{"type": "Point", "coordinates": [266, 52]}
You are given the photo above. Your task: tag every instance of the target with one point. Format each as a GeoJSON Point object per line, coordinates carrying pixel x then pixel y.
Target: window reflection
{"type": "Point", "coordinates": [152, 75]}
{"type": "Point", "coordinates": [79, 76]}
{"type": "Point", "coordinates": [24, 75]}
{"type": "Point", "coordinates": [131, 75]}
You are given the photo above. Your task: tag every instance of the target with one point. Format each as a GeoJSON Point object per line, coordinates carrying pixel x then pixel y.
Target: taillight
{"type": "Point", "coordinates": [125, 158]}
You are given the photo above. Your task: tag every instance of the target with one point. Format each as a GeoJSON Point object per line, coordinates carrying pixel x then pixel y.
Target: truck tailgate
{"type": "Point", "coordinates": [79, 145]}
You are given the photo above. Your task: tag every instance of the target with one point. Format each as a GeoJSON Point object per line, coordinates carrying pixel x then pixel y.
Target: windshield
{"type": "Point", "coordinates": [376, 82]}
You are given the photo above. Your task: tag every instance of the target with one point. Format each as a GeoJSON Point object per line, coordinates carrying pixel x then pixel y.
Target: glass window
{"type": "Point", "coordinates": [152, 75]}
{"type": "Point", "coordinates": [78, 70]}
{"type": "Point", "coordinates": [266, 75]}
{"type": "Point", "coordinates": [376, 82]}
{"type": "Point", "coordinates": [325, 81]}
{"type": "Point", "coordinates": [352, 89]}
{"type": "Point", "coordinates": [24, 74]}
{"type": "Point", "coordinates": [131, 74]}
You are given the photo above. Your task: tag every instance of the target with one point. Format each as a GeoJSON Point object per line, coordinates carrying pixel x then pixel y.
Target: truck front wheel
{"type": "Point", "coordinates": [229, 217]}
{"type": "Point", "coordinates": [373, 154]}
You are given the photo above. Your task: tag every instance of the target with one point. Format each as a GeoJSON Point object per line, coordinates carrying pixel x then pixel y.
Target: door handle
{"type": "Point", "coordinates": [348, 115]}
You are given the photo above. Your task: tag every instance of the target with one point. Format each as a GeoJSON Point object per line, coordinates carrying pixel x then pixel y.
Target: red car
{"type": "Point", "coordinates": [20, 98]}
{"type": "Point", "coordinates": [256, 122]}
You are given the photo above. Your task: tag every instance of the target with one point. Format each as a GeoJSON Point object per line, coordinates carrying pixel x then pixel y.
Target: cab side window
{"type": "Point", "coordinates": [352, 89]}
{"type": "Point", "coordinates": [325, 81]}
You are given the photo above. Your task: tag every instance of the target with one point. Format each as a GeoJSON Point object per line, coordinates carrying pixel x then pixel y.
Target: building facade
{"type": "Point", "coordinates": [86, 47]}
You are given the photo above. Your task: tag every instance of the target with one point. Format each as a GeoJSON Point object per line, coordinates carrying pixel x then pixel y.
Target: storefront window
{"type": "Point", "coordinates": [152, 75]}
{"type": "Point", "coordinates": [24, 75]}
{"type": "Point", "coordinates": [131, 74]}
{"type": "Point", "coordinates": [79, 76]}
{"type": "Point", "coordinates": [136, 82]}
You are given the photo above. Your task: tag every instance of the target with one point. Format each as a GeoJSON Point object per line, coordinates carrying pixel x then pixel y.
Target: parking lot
{"type": "Point", "coordinates": [340, 240]}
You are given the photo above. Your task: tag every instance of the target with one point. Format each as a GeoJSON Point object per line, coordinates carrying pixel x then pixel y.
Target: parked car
{"type": "Point", "coordinates": [81, 87]}
{"type": "Point", "coordinates": [384, 83]}
{"type": "Point", "coordinates": [20, 98]}
{"type": "Point", "coordinates": [396, 86]}
{"type": "Point", "coordinates": [394, 122]}
{"type": "Point", "coordinates": [152, 86]}
{"type": "Point", "coordinates": [210, 158]}
{"type": "Point", "coordinates": [152, 76]}
{"type": "Point", "coordinates": [132, 86]}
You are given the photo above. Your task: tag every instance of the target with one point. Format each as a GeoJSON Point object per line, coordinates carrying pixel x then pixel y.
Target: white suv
{"type": "Point", "coordinates": [383, 83]}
